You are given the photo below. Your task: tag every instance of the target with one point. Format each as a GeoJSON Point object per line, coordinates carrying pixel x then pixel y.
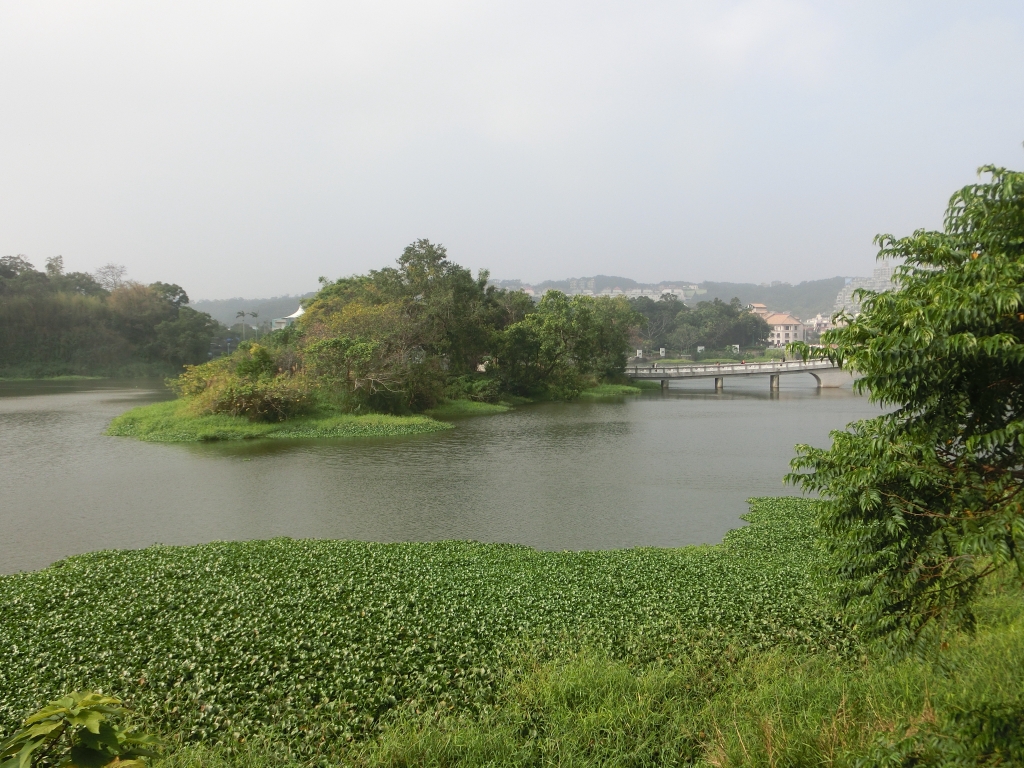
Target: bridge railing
{"type": "Point", "coordinates": [654, 370]}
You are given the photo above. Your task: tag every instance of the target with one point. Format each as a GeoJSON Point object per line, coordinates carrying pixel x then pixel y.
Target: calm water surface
{"type": "Point", "coordinates": [661, 469]}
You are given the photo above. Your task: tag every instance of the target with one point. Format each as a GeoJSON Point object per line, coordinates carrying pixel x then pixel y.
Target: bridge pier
{"type": "Point", "coordinates": [719, 383]}
{"type": "Point", "coordinates": [773, 382]}
{"type": "Point", "coordinates": [664, 384]}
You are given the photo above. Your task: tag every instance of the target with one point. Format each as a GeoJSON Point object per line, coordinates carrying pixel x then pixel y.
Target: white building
{"type": "Point", "coordinates": [880, 280]}
{"type": "Point", "coordinates": [283, 322]}
{"type": "Point", "coordinates": [785, 329]}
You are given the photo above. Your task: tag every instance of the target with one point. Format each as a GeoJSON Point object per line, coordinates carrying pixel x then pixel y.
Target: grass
{"type": "Point", "coordinates": [170, 422]}
{"type": "Point", "coordinates": [459, 408]}
{"type": "Point", "coordinates": [289, 652]}
{"type": "Point", "coordinates": [614, 390]}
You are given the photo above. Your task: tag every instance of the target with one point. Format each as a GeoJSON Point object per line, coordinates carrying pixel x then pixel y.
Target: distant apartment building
{"type": "Point", "coordinates": [784, 329]}
{"type": "Point", "coordinates": [880, 280]}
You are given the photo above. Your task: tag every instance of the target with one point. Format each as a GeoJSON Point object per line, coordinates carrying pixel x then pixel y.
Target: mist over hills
{"type": "Point", "coordinates": [225, 310]}
{"type": "Point", "coordinates": [804, 299]}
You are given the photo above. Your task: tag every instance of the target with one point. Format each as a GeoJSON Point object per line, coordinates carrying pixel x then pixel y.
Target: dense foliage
{"type": "Point", "coordinates": [406, 338]}
{"type": "Point", "coordinates": [714, 325]}
{"type": "Point", "coordinates": [56, 322]}
{"type": "Point", "coordinates": [83, 729]}
{"type": "Point", "coordinates": [306, 643]}
{"type": "Point", "coordinates": [924, 501]}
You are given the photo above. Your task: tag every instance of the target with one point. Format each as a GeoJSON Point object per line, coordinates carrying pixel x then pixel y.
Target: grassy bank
{"type": "Point", "coordinates": [461, 408]}
{"type": "Point", "coordinates": [275, 652]}
{"type": "Point", "coordinates": [611, 390]}
{"type": "Point", "coordinates": [170, 422]}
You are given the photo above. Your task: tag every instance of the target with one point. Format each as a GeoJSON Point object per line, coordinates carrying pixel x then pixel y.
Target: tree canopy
{"type": "Point", "coordinates": [712, 324]}
{"type": "Point", "coordinates": [923, 502]}
{"type": "Point", "coordinates": [404, 338]}
{"type": "Point", "coordinates": [57, 322]}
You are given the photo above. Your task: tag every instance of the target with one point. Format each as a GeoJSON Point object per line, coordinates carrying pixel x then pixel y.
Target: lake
{"type": "Point", "coordinates": [661, 469]}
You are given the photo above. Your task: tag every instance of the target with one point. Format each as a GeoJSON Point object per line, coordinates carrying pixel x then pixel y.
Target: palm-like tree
{"type": "Point", "coordinates": [254, 315]}
{"type": "Point", "coordinates": [241, 316]}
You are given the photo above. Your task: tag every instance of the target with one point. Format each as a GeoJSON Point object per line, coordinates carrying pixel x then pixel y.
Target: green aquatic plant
{"type": "Point", "coordinates": [310, 643]}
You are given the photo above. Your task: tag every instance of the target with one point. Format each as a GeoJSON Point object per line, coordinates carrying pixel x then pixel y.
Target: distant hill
{"type": "Point", "coordinates": [225, 310]}
{"type": "Point", "coordinates": [804, 299]}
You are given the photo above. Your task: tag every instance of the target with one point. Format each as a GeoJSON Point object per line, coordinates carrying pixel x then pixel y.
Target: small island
{"type": "Point", "coordinates": [399, 351]}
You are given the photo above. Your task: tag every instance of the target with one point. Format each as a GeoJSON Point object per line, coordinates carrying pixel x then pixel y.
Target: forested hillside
{"type": "Point", "coordinates": [56, 323]}
{"type": "Point", "coordinates": [804, 300]}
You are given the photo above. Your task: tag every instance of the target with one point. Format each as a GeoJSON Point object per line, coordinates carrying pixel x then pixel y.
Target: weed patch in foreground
{"type": "Point", "coordinates": [280, 652]}
{"type": "Point", "coordinates": [306, 644]}
{"type": "Point", "coordinates": [170, 422]}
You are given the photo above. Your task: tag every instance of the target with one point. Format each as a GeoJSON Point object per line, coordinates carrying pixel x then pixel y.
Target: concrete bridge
{"type": "Point", "coordinates": [823, 371]}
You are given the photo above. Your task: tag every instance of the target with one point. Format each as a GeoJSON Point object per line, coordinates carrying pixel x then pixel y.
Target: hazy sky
{"type": "Point", "coordinates": [247, 148]}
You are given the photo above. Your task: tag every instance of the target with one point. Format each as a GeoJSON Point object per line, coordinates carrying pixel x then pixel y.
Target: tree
{"type": "Point", "coordinates": [717, 324]}
{"type": "Point", "coordinates": [12, 266]}
{"type": "Point", "coordinates": [136, 311]}
{"type": "Point", "coordinates": [170, 292]}
{"type": "Point", "coordinates": [661, 317]}
{"type": "Point", "coordinates": [111, 276]}
{"type": "Point", "coordinates": [185, 340]}
{"type": "Point", "coordinates": [922, 503]}
{"type": "Point", "coordinates": [565, 340]}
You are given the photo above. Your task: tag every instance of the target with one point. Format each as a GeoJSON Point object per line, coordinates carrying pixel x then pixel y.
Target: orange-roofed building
{"type": "Point", "coordinates": [785, 329]}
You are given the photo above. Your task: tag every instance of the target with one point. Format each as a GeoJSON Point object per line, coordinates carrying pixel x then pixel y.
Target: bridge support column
{"type": "Point", "coordinates": [773, 382]}
{"type": "Point", "coordinates": [719, 383]}
{"type": "Point", "coordinates": [664, 384]}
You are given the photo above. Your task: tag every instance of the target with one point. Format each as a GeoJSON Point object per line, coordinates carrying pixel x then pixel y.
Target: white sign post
{"type": "Point", "coordinates": [639, 353]}
{"type": "Point", "coordinates": [662, 351]}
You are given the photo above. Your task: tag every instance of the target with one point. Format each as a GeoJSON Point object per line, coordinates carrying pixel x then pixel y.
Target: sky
{"type": "Point", "coordinates": [246, 149]}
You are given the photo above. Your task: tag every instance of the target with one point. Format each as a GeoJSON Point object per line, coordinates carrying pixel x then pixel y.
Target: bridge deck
{"type": "Point", "coordinates": [717, 370]}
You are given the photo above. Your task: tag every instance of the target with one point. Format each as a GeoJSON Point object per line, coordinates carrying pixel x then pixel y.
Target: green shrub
{"type": "Point", "coordinates": [80, 729]}
{"type": "Point", "coordinates": [245, 384]}
{"type": "Point", "coordinates": [481, 388]}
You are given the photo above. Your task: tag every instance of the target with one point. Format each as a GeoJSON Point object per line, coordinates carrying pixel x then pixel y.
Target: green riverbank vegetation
{"type": "Point", "coordinates": [423, 337]}
{"type": "Point", "coordinates": [172, 422]}
{"type": "Point", "coordinates": [57, 323]}
{"type": "Point", "coordinates": [338, 652]}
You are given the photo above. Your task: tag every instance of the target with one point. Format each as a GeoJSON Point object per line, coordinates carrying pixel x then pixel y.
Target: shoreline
{"type": "Point", "coordinates": [169, 421]}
